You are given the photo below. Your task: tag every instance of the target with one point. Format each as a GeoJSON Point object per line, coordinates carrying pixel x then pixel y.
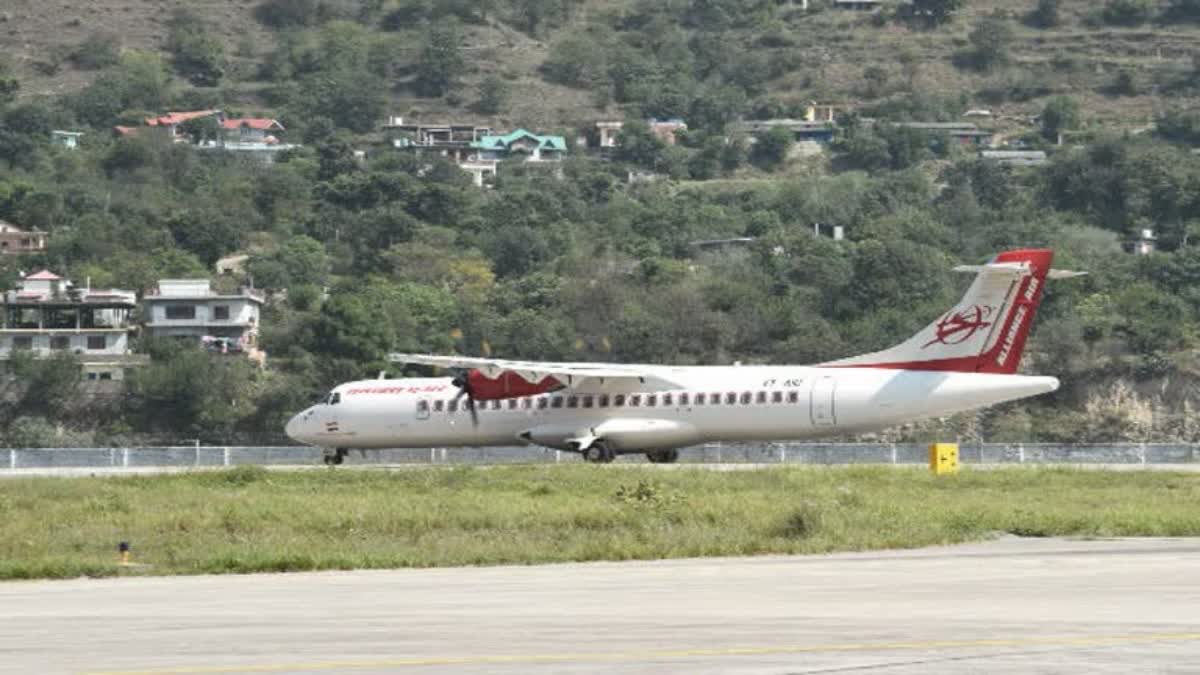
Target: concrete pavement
{"type": "Point", "coordinates": [1012, 605]}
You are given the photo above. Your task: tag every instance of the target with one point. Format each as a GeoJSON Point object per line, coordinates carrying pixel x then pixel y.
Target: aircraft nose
{"type": "Point", "coordinates": [294, 428]}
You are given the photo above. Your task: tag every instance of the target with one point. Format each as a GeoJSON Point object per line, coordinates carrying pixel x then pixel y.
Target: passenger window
{"type": "Point", "coordinates": [745, 398]}
{"type": "Point", "coordinates": [668, 400]}
{"type": "Point", "coordinates": [683, 399]}
{"type": "Point", "coordinates": [761, 397]}
{"type": "Point", "coordinates": [714, 399]}
{"type": "Point", "coordinates": [496, 404]}
{"type": "Point", "coordinates": [651, 400]}
{"type": "Point", "coordinates": [572, 401]}
{"type": "Point", "coordinates": [793, 397]}
{"type": "Point", "coordinates": [777, 397]}
{"type": "Point", "coordinates": [423, 407]}
{"type": "Point", "coordinates": [635, 401]}
{"type": "Point", "coordinates": [730, 398]}
{"type": "Point", "coordinates": [603, 400]}
{"type": "Point", "coordinates": [543, 402]}
{"type": "Point", "coordinates": [699, 399]}
{"type": "Point", "coordinates": [512, 404]}
{"type": "Point", "coordinates": [526, 403]}
{"type": "Point", "coordinates": [556, 402]}
{"type": "Point", "coordinates": [452, 406]}
{"type": "Point", "coordinates": [587, 401]}
{"type": "Point", "coordinates": [619, 401]}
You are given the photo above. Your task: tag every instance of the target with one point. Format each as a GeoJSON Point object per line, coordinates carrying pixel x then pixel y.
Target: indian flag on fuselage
{"type": "Point", "coordinates": [986, 331]}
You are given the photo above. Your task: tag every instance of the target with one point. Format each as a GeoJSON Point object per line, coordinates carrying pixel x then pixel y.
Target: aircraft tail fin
{"type": "Point", "coordinates": [986, 331]}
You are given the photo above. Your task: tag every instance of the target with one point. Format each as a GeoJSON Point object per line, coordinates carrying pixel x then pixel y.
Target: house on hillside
{"type": "Point", "coordinates": [858, 5]}
{"type": "Point", "coordinates": [66, 139]}
{"type": "Point", "coordinates": [820, 133]}
{"type": "Point", "coordinates": [190, 310]}
{"type": "Point", "coordinates": [521, 145]}
{"type": "Point", "coordinates": [46, 314]}
{"type": "Point", "coordinates": [963, 133]}
{"type": "Point", "coordinates": [252, 129]}
{"type": "Point", "coordinates": [172, 122]}
{"type": "Point", "coordinates": [1015, 157]}
{"type": "Point", "coordinates": [449, 139]}
{"type": "Point", "coordinates": [14, 240]}
{"type": "Point", "coordinates": [666, 129]}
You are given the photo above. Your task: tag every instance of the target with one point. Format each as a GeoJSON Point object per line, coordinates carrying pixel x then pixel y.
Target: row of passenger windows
{"type": "Point", "coordinates": [667, 400]}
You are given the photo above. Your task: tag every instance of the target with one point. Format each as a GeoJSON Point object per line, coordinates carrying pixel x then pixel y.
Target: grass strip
{"type": "Point", "coordinates": [251, 520]}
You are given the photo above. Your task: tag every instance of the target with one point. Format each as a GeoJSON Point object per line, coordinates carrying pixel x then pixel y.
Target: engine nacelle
{"type": "Point", "coordinates": [621, 434]}
{"type": "Point", "coordinates": [508, 385]}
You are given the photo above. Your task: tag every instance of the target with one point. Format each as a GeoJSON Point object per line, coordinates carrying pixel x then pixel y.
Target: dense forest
{"type": "Point", "coordinates": [366, 248]}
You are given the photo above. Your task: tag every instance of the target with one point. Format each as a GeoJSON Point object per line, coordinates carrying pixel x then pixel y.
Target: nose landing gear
{"type": "Point", "coordinates": [335, 456]}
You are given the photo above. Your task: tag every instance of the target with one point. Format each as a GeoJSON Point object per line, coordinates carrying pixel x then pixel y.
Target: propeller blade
{"type": "Point", "coordinates": [463, 382]}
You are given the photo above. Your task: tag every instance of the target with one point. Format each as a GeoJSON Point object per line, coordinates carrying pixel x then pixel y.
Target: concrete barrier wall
{"type": "Point", "coordinates": [736, 453]}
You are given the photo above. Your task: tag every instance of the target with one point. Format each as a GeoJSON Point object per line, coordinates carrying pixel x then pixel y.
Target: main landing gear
{"type": "Point", "coordinates": [663, 456]}
{"type": "Point", "coordinates": [599, 453]}
{"type": "Point", "coordinates": [335, 456]}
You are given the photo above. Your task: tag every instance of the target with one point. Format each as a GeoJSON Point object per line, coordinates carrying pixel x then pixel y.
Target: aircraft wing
{"type": "Point", "coordinates": [568, 374]}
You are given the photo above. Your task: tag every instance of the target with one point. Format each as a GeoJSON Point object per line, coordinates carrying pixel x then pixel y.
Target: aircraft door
{"type": "Point", "coordinates": [821, 403]}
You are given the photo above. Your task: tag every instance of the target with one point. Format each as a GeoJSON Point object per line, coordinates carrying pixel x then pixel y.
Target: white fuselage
{"type": "Point", "coordinates": [712, 403]}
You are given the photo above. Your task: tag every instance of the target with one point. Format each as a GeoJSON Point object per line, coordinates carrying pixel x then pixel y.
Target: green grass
{"type": "Point", "coordinates": [251, 520]}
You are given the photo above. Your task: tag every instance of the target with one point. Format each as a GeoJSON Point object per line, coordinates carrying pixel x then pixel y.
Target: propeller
{"type": "Point", "coordinates": [463, 381]}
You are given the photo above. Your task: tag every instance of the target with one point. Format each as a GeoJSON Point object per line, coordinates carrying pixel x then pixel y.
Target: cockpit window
{"type": "Point", "coordinates": [335, 398]}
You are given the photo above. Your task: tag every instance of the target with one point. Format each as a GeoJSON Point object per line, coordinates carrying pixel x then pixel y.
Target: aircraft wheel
{"type": "Point", "coordinates": [336, 457]}
{"type": "Point", "coordinates": [599, 453]}
{"type": "Point", "coordinates": [663, 456]}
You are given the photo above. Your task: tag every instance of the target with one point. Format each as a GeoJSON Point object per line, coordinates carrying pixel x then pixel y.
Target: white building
{"type": "Point", "coordinates": [47, 314]}
{"type": "Point", "coordinates": [190, 309]}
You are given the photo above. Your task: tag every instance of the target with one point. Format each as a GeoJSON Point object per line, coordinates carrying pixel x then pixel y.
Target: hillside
{"type": "Point", "coordinates": [828, 52]}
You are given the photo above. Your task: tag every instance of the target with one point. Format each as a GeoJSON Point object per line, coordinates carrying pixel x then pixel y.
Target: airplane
{"type": "Point", "coordinates": [965, 359]}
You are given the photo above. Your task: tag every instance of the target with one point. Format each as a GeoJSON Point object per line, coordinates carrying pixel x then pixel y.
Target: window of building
{"type": "Point", "coordinates": [683, 399]}
{"type": "Point", "coordinates": [181, 311]}
{"type": "Point", "coordinates": [793, 397]}
{"type": "Point", "coordinates": [106, 375]}
{"type": "Point", "coordinates": [619, 401]}
{"type": "Point", "coordinates": [587, 401]}
{"type": "Point", "coordinates": [651, 400]}
{"type": "Point", "coordinates": [730, 398]}
{"type": "Point", "coordinates": [635, 400]}
{"type": "Point", "coordinates": [97, 342]}
{"type": "Point", "coordinates": [746, 398]}
{"type": "Point", "coordinates": [777, 397]}
{"type": "Point", "coordinates": [556, 402]}
{"type": "Point", "coordinates": [92, 376]}
{"type": "Point", "coordinates": [221, 312]}
{"type": "Point", "coordinates": [60, 342]}
{"type": "Point", "coordinates": [760, 397]}
{"type": "Point", "coordinates": [668, 400]}
{"type": "Point", "coordinates": [603, 400]}
{"type": "Point", "coordinates": [439, 406]}
{"type": "Point", "coordinates": [572, 401]}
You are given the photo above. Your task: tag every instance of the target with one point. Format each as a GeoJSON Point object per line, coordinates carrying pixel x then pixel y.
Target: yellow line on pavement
{"type": "Point", "coordinates": [483, 660]}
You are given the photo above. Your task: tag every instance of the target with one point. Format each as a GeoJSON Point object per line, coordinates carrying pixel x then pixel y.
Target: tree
{"type": "Point", "coordinates": [1060, 114]}
{"type": "Point", "coordinates": [1183, 10]}
{"type": "Point", "coordinates": [353, 100]}
{"type": "Point", "coordinates": [441, 62]}
{"type": "Point", "coordinates": [198, 55]}
{"type": "Point", "coordinates": [1044, 15]}
{"type": "Point", "coordinates": [493, 95]}
{"type": "Point", "coordinates": [771, 149]}
{"type": "Point", "coordinates": [288, 13]}
{"type": "Point", "coordinates": [98, 50]}
{"type": "Point", "coordinates": [989, 41]}
{"type": "Point", "coordinates": [876, 78]}
{"type": "Point", "coordinates": [637, 144]}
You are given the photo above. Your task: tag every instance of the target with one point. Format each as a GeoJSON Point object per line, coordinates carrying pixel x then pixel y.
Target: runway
{"type": "Point", "coordinates": [1008, 606]}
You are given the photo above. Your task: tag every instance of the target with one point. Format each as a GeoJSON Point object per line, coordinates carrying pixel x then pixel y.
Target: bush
{"type": "Point", "coordinates": [288, 13]}
{"type": "Point", "coordinates": [1126, 12]}
{"type": "Point", "coordinates": [98, 50]}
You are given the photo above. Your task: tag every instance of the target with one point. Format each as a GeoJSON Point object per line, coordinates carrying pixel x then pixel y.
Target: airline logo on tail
{"type": "Point", "coordinates": [958, 327]}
